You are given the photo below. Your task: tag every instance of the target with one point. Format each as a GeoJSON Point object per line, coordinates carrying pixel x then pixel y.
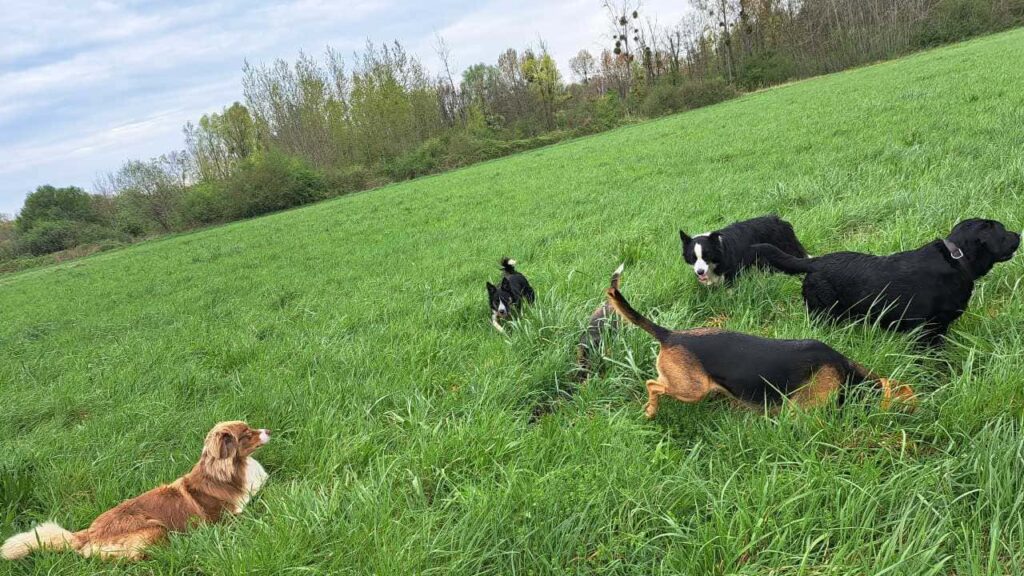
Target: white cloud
{"type": "Point", "coordinates": [86, 85]}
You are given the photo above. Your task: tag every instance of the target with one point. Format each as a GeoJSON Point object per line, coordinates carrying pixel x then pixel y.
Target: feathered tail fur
{"type": "Point", "coordinates": [49, 536]}
{"type": "Point", "coordinates": [621, 305]}
{"type": "Point", "coordinates": [508, 265]}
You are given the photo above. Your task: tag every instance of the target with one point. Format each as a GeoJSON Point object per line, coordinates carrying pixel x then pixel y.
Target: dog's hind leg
{"type": "Point", "coordinates": [129, 546]}
{"type": "Point", "coordinates": [898, 393]}
{"type": "Point", "coordinates": [654, 391]}
{"type": "Point", "coordinates": [679, 376]}
{"type": "Point", "coordinates": [820, 388]}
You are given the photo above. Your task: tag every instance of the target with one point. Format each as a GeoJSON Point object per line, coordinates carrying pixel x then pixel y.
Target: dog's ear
{"type": "Point", "coordinates": [506, 285]}
{"type": "Point", "coordinates": [491, 289]}
{"type": "Point", "coordinates": [715, 237]}
{"type": "Point", "coordinates": [227, 444]}
{"type": "Point", "coordinates": [684, 238]}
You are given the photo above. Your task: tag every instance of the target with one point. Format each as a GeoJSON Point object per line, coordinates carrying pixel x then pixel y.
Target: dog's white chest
{"type": "Point", "coordinates": [255, 477]}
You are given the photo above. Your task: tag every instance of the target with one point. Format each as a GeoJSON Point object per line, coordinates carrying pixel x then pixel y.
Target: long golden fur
{"type": "Point", "coordinates": [221, 483]}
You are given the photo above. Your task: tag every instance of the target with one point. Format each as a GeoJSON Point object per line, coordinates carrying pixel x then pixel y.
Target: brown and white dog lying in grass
{"type": "Point", "coordinates": [221, 483]}
{"type": "Point", "coordinates": [757, 372]}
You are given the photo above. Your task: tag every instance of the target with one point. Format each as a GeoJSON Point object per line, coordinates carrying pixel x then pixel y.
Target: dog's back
{"type": "Point", "coordinates": [757, 371]}
{"type": "Point", "coordinates": [517, 283]}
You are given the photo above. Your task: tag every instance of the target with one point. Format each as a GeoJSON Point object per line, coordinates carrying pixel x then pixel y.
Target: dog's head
{"type": "Point", "coordinates": [230, 443]}
{"type": "Point", "coordinates": [500, 298]}
{"type": "Point", "coordinates": [984, 243]}
{"type": "Point", "coordinates": [703, 252]}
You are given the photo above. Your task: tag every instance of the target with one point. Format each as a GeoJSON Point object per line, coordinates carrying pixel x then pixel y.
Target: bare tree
{"type": "Point", "coordinates": [583, 66]}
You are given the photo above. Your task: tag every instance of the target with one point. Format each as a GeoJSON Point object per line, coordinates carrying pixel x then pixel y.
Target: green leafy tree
{"type": "Point", "coordinates": [48, 203]}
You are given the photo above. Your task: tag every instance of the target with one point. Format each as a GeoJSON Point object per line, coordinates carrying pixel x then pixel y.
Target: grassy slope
{"type": "Point", "coordinates": [357, 330]}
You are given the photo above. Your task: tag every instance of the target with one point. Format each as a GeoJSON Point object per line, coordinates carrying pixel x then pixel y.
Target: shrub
{"type": "Point", "coordinates": [587, 115]}
{"type": "Point", "coordinates": [349, 179]}
{"type": "Point", "coordinates": [203, 203]}
{"type": "Point", "coordinates": [766, 69]}
{"type": "Point", "coordinates": [49, 236]}
{"type": "Point", "coordinates": [954, 20]}
{"type": "Point", "coordinates": [272, 182]}
{"type": "Point", "coordinates": [707, 92]}
{"type": "Point", "coordinates": [661, 100]}
{"type": "Point", "coordinates": [426, 158]}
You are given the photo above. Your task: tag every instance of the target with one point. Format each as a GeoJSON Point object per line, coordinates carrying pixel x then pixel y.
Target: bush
{"type": "Point", "coordinates": [272, 182]}
{"type": "Point", "coordinates": [426, 158]}
{"type": "Point", "coordinates": [49, 236]}
{"type": "Point", "coordinates": [349, 179]}
{"type": "Point", "coordinates": [204, 203]}
{"type": "Point", "coordinates": [954, 20]}
{"type": "Point", "coordinates": [766, 69]}
{"type": "Point", "coordinates": [661, 100]}
{"type": "Point", "coordinates": [707, 92]}
{"type": "Point", "coordinates": [587, 115]}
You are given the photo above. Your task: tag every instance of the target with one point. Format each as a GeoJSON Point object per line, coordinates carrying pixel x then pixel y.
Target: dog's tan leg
{"type": "Point", "coordinates": [819, 388]}
{"type": "Point", "coordinates": [679, 376]}
{"type": "Point", "coordinates": [654, 391]}
{"type": "Point", "coordinates": [898, 393]}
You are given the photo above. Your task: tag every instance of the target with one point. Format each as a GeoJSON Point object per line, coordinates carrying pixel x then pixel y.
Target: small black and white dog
{"type": "Point", "coordinates": [930, 286]}
{"type": "Point", "coordinates": [723, 254]}
{"type": "Point", "coordinates": [506, 297]}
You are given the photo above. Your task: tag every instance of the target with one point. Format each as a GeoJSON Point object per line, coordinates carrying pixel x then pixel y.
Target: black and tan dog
{"type": "Point", "coordinates": [929, 287]}
{"type": "Point", "coordinates": [757, 372]}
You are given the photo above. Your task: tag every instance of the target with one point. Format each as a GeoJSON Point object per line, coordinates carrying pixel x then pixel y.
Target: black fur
{"type": "Point", "coordinates": [926, 287]}
{"type": "Point", "coordinates": [728, 251]}
{"type": "Point", "coordinates": [506, 298]}
{"type": "Point", "coordinates": [759, 371]}
{"type": "Point", "coordinates": [762, 371]}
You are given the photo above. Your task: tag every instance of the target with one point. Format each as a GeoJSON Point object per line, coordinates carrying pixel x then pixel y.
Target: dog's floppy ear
{"type": "Point", "coordinates": [684, 238]}
{"type": "Point", "coordinates": [715, 237]}
{"type": "Point", "coordinates": [491, 288]}
{"type": "Point", "coordinates": [226, 445]}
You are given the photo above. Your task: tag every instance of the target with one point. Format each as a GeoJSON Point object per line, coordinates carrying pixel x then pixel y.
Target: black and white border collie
{"type": "Point", "coordinates": [507, 296]}
{"type": "Point", "coordinates": [721, 255]}
{"type": "Point", "coordinates": [929, 287]}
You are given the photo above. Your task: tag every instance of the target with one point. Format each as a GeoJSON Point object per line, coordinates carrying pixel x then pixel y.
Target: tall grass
{"type": "Point", "coordinates": [358, 331]}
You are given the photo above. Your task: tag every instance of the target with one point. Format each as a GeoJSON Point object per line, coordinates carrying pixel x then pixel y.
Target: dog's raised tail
{"type": "Point", "coordinates": [508, 265]}
{"type": "Point", "coordinates": [48, 536]}
{"type": "Point", "coordinates": [617, 276]}
{"type": "Point", "coordinates": [781, 261]}
{"type": "Point", "coordinates": [621, 305]}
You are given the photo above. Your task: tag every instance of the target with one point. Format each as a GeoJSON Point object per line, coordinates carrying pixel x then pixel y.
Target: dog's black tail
{"type": "Point", "coordinates": [590, 340]}
{"type": "Point", "coordinates": [779, 260]}
{"type": "Point", "coordinates": [508, 265]}
{"type": "Point", "coordinates": [621, 305]}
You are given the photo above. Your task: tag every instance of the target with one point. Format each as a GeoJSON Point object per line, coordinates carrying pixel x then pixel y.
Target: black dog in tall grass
{"type": "Point", "coordinates": [927, 288]}
{"type": "Point", "coordinates": [506, 298]}
{"type": "Point", "coordinates": [721, 255]}
{"type": "Point", "coordinates": [757, 372]}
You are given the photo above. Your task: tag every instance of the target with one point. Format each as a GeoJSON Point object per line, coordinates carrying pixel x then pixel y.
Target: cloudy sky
{"type": "Point", "coordinates": [85, 85]}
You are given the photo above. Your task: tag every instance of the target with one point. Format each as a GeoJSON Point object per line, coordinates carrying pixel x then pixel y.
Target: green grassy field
{"type": "Point", "coordinates": [358, 331]}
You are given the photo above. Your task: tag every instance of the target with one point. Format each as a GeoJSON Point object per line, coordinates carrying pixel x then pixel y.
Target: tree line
{"type": "Point", "coordinates": [324, 126]}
